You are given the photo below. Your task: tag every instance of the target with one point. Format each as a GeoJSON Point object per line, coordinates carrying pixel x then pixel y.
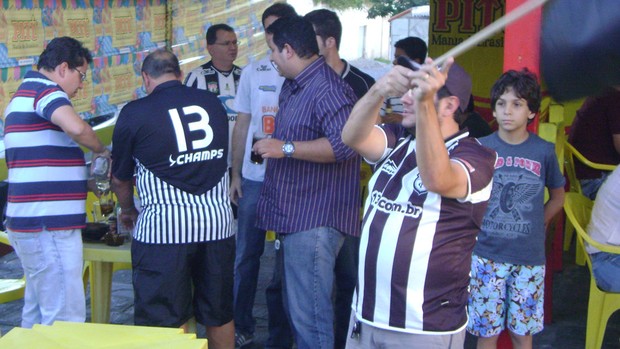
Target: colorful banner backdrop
{"type": "Point", "coordinates": [78, 24]}
{"type": "Point", "coordinates": [119, 34]}
{"type": "Point", "coordinates": [452, 22]}
{"type": "Point", "coordinates": [188, 34]}
{"type": "Point", "coordinates": [124, 27]}
{"type": "Point", "coordinates": [25, 32]}
{"type": "Point", "coordinates": [123, 79]}
{"type": "Point", "coordinates": [53, 18]}
{"type": "Point", "coordinates": [156, 22]}
{"type": "Point", "coordinates": [7, 89]}
{"type": "Point", "coordinates": [82, 102]}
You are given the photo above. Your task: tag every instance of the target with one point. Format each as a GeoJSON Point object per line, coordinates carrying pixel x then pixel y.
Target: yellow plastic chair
{"type": "Point", "coordinates": [365, 174]}
{"type": "Point", "coordinates": [548, 132]}
{"type": "Point", "coordinates": [543, 111]}
{"type": "Point", "coordinates": [10, 289]}
{"type": "Point", "coordinates": [554, 133]}
{"type": "Point", "coordinates": [556, 117]}
{"type": "Point", "coordinates": [556, 113]}
{"type": "Point", "coordinates": [601, 304]}
{"type": "Point", "coordinates": [571, 153]}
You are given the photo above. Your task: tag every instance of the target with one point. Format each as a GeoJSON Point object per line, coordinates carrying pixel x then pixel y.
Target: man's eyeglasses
{"type": "Point", "coordinates": [82, 75]}
{"type": "Point", "coordinates": [227, 43]}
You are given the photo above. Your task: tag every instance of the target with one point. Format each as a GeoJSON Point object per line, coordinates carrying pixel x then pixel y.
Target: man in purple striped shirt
{"type": "Point", "coordinates": [310, 195]}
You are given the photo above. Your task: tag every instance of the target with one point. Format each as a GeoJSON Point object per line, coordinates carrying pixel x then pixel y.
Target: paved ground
{"type": "Point", "coordinates": [566, 332]}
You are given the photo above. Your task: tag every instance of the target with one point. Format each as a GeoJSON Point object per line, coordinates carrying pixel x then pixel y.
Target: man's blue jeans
{"type": "Point", "coordinates": [346, 280]}
{"type": "Point", "coordinates": [590, 187]}
{"type": "Point", "coordinates": [309, 260]}
{"type": "Point", "coordinates": [53, 264]}
{"type": "Point", "coordinates": [606, 269]}
{"type": "Point", "coordinates": [250, 247]}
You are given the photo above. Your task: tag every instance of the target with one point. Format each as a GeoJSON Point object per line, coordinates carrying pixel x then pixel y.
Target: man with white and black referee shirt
{"type": "Point", "coordinates": [328, 31]}
{"type": "Point", "coordinates": [426, 201]}
{"type": "Point", "coordinates": [220, 75]}
{"type": "Point", "coordinates": [175, 140]}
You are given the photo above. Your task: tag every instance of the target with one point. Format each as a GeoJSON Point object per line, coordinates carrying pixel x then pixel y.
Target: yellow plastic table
{"type": "Point", "coordinates": [101, 258]}
{"type": "Point", "coordinates": [72, 335]}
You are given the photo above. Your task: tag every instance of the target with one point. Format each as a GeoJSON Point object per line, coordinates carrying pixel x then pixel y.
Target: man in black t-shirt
{"type": "Point", "coordinates": [175, 140]}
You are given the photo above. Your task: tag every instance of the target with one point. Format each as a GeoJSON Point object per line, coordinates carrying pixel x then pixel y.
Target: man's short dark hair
{"type": "Point", "coordinates": [458, 116]}
{"type": "Point", "coordinates": [326, 24]}
{"type": "Point", "coordinates": [212, 32]}
{"type": "Point", "coordinates": [297, 33]}
{"type": "Point", "coordinates": [414, 47]}
{"type": "Point", "coordinates": [524, 85]}
{"type": "Point", "coordinates": [160, 62]}
{"type": "Point", "coordinates": [279, 9]}
{"type": "Point", "coordinates": [63, 49]}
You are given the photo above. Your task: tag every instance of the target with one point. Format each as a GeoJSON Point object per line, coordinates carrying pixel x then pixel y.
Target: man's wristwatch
{"type": "Point", "coordinates": [288, 149]}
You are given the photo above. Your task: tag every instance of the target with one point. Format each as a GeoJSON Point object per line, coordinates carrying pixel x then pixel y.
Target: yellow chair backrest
{"type": "Point", "coordinates": [365, 174]}
{"type": "Point", "coordinates": [4, 238]}
{"type": "Point", "coordinates": [571, 153]}
{"type": "Point", "coordinates": [601, 304]}
{"type": "Point", "coordinates": [548, 131]}
{"type": "Point", "coordinates": [543, 112]}
{"type": "Point", "coordinates": [554, 133]}
{"type": "Point", "coordinates": [579, 209]}
{"type": "Point", "coordinates": [556, 113]}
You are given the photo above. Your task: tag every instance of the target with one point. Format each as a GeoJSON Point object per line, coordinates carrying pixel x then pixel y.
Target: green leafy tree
{"type": "Point", "coordinates": [377, 8]}
{"type": "Point", "coordinates": [380, 8]}
{"type": "Point", "coordinates": [341, 4]}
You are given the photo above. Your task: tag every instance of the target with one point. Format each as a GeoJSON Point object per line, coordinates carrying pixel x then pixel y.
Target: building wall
{"type": "Point", "coordinates": [361, 37]}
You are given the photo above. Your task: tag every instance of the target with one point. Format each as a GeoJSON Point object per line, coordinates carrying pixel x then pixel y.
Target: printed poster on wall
{"type": "Point", "coordinates": [102, 87]}
{"type": "Point", "coordinates": [250, 32]}
{"type": "Point", "coordinates": [7, 90]}
{"type": "Point", "coordinates": [25, 32]}
{"type": "Point", "coordinates": [157, 23]}
{"type": "Point", "coordinates": [4, 34]}
{"type": "Point", "coordinates": [194, 22]}
{"type": "Point", "coordinates": [123, 80]}
{"type": "Point", "coordinates": [53, 18]}
{"type": "Point", "coordinates": [82, 101]}
{"type": "Point", "coordinates": [124, 27]}
{"type": "Point", "coordinates": [182, 46]}
{"type": "Point", "coordinates": [78, 24]}
{"type": "Point", "coordinates": [452, 22]}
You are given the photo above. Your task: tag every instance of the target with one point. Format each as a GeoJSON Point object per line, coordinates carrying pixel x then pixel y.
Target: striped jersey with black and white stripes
{"type": "Point", "coordinates": [172, 216]}
{"type": "Point", "coordinates": [415, 249]}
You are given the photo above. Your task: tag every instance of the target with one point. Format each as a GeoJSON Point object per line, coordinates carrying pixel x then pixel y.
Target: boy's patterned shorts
{"type": "Point", "coordinates": [505, 295]}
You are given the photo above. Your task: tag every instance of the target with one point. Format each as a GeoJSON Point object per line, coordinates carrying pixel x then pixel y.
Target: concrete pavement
{"type": "Point", "coordinates": [570, 299]}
